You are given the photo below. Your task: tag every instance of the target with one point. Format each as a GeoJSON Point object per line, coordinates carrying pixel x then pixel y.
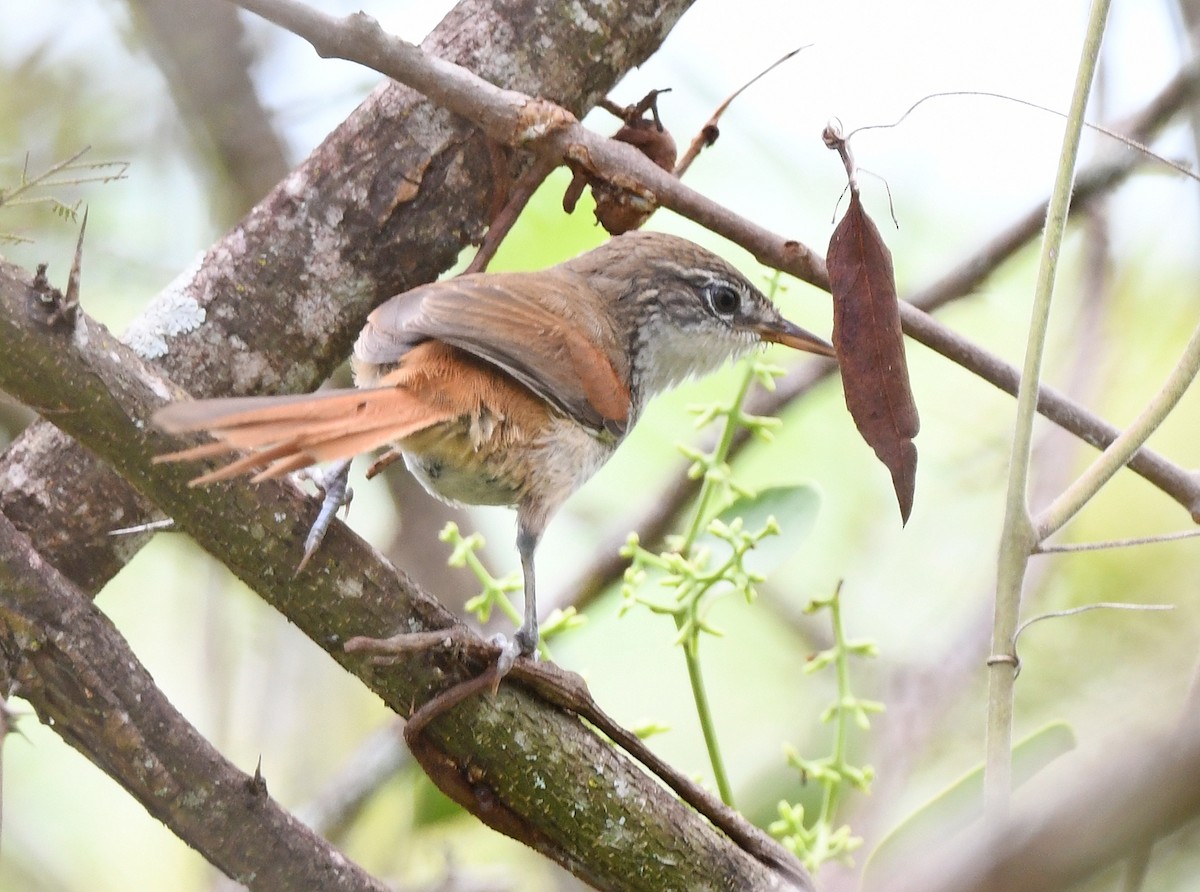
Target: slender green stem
{"type": "Point", "coordinates": [707, 488]}
{"type": "Point", "coordinates": [1122, 449]}
{"type": "Point", "coordinates": [833, 790]}
{"type": "Point", "coordinates": [700, 518]}
{"type": "Point", "coordinates": [691, 651]}
{"type": "Point", "coordinates": [1019, 537]}
{"type": "Point", "coordinates": [707, 725]}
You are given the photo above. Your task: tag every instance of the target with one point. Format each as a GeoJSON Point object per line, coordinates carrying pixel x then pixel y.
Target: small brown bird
{"type": "Point", "coordinates": [508, 388]}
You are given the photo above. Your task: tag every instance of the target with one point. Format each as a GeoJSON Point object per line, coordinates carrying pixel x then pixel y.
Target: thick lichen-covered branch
{"type": "Point", "coordinates": [512, 747]}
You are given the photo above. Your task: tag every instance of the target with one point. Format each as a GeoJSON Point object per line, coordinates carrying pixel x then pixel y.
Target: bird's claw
{"type": "Point", "coordinates": [520, 645]}
{"type": "Point", "coordinates": [509, 651]}
{"type": "Point", "coordinates": [334, 483]}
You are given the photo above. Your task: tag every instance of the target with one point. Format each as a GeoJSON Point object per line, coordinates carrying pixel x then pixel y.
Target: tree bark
{"type": "Point", "coordinates": [534, 771]}
{"type": "Point", "coordinates": [63, 656]}
{"type": "Point", "coordinates": [385, 203]}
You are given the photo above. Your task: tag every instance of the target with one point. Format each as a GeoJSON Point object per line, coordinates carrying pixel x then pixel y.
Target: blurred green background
{"type": "Point", "coordinates": [958, 170]}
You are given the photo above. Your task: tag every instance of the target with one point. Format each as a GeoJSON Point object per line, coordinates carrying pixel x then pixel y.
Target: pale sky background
{"type": "Point", "coordinates": [959, 164]}
{"type": "Point", "coordinates": [959, 169]}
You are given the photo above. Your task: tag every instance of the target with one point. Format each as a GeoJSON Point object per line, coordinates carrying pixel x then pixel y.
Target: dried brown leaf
{"type": "Point", "coordinates": [654, 142]}
{"type": "Point", "coordinates": [870, 347]}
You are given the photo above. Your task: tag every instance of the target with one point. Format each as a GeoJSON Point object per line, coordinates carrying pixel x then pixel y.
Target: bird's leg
{"type": "Point", "coordinates": [527, 635]}
{"type": "Point", "coordinates": [334, 483]}
{"type": "Point", "coordinates": [524, 643]}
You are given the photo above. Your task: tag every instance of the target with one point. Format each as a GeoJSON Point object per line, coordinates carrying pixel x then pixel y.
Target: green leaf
{"type": "Point", "coordinates": [962, 801]}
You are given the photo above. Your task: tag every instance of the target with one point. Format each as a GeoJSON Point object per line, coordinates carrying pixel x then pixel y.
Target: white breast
{"type": "Point", "coordinates": [668, 354]}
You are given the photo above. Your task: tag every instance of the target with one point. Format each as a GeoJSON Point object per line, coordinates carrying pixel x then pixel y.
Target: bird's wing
{"type": "Point", "coordinates": [544, 329]}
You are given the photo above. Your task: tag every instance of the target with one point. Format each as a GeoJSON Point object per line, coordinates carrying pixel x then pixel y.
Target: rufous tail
{"type": "Point", "coordinates": [286, 433]}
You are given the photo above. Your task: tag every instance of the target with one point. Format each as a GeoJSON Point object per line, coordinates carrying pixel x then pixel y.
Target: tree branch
{"type": "Point", "coordinates": [522, 121]}
{"type": "Point", "coordinates": [524, 760]}
{"type": "Point", "coordinates": [385, 203]}
{"type": "Point", "coordinates": [64, 657]}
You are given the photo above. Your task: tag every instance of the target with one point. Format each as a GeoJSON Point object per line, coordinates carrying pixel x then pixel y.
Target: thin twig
{"type": "Point", "coordinates": [1068, 547]}
{"type": "Point", "coordinates": [149, 527]}
{"type": "Point", "coordinates": [1075, 611]}
{"type": "Point", "coordinates": [503, 222]}
{"type": "Point", "coordinates": [1118, 453]}
{"type": "Point", "coordinates": [1112, 134]}
{"type": "Point", "coordinates": [44, 180]}
{"type": "Point", "coordinates": [709, 132]}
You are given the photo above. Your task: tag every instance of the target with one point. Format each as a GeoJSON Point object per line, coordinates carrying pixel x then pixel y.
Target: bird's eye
{"type": "Point", "coordinates": [724, 299]}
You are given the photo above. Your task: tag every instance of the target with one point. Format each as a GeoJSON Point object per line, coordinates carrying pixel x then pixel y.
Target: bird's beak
{"type": "Point", "coordinates": [784, 332]}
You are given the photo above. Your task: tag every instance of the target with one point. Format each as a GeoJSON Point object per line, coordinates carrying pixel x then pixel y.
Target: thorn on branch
{"type": "Point", "coordinates": [61, 309]}
{"type": "Point", "coordinates": [9, 718]}
{"type": "Point", "coordinates": [72, 299]}
{"type": "Point", "coordinates": [256, 786]}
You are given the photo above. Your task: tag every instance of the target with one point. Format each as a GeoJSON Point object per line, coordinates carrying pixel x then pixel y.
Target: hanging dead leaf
{"type": "Point", "coordinates": [870, 347]}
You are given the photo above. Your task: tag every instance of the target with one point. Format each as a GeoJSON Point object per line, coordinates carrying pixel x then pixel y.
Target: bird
{"type": "Point", "coordinates": [507, 388]}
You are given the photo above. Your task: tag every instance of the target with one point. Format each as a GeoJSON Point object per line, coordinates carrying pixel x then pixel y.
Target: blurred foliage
{"type": "Point", "coordinates": [257, 688]}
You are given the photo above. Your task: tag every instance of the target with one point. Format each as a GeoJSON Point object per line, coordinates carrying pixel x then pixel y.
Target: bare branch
{"type": "Point", "coordinates": [524, 122]}
{"type": "Point", "coordinates": [525, 758]}
{"type": "Point", "coordinates": [66, 659]}
{"type": "Point", "coordinates": [386, 203]}
{"type": "Point", "coordinates": [710, 131]}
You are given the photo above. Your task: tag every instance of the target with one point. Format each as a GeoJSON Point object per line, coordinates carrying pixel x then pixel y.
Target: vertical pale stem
{"type": "Point", "coordinates": [1019, 537]}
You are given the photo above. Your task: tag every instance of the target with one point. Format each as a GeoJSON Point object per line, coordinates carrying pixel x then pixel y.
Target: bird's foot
{"type": "Point", "coordinates": [334, 484]}
{"type": "Point", "coordinates": [520, 645]}
{"type": "Point", "coordinates": [499, 650]}
{"type": "Point", "coordinates": [387, 651]}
